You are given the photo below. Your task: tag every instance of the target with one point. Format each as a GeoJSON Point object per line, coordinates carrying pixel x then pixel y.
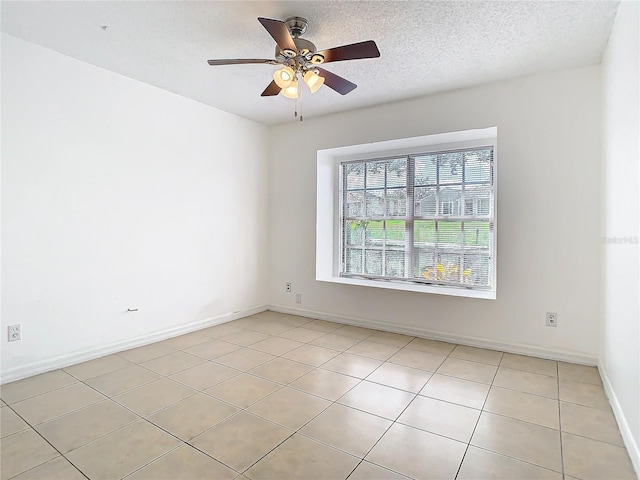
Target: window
{"type": "Point", "coordinates": [413, 214]}
{"type": "Point", "coordinates": [483, 206]}
{"type": "Point", "coordinates": [387, 240]}
{"type": "Point", "coordinates": [446, 208]}
{"type": "Point", "coordinates": [469, 205]}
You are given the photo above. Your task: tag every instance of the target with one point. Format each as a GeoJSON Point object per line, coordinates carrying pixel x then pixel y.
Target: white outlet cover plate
{"type": "Point", "coordinates": [13, 333]}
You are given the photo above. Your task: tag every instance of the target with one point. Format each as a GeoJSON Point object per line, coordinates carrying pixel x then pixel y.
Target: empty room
{"type": "Point", "coordinates": [320, 240]}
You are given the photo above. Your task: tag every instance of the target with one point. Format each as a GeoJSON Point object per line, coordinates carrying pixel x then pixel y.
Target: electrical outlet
{"type": "Point", "coordinates": [13, 333]}
{"type": "Point", "coordinates": [298, 298]}
{"type": "Point", "coordinates": [288, 287]}
{"type": "Point", "coordinates": [552, 319]}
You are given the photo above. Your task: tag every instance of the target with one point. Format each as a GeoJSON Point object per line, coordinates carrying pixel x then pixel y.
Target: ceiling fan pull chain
{"type": "Point", "coordinates": [300, 95]}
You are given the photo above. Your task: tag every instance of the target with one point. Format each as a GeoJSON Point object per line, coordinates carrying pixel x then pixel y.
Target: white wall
{"type": "Point", "coordinates": [118, 195]}
{"type": "Point", "coordinates": [620, 355]}
{"type": "Point", "coordinates": [549, 235]}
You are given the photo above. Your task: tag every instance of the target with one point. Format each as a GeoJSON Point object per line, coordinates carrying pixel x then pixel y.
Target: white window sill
{"type": "Point", "coordinates": [412, 287]}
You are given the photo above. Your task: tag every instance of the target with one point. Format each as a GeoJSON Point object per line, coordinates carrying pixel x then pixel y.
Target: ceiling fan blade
{"type": "Point", "coordinates": [240, 61]}
{"type": "Point", "coordinates": [336, 82]}
{"type": "Point", "coordinates": [280, 33]}
{"type": "Point", "coordinates": [355, 51]}
{"type": "Point", "coordinates": [271, 90]}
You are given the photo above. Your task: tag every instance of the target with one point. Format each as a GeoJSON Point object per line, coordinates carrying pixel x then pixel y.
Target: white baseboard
{"type": "Point", "coordinates": [63, 361]}
{"type": "Point", "coordinates": [521, 349]}
{"type": "Point", "coordinates": [623, 425]}
{"type": "Point", "coordinates": [42, 366]}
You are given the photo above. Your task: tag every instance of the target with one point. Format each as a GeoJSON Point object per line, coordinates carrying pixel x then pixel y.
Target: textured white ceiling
{"type": "Point", "coordinates": [426, 46]}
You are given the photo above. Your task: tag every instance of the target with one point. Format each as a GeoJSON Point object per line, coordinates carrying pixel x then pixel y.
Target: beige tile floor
{"type": "Point", "coordinates": [275, 396]}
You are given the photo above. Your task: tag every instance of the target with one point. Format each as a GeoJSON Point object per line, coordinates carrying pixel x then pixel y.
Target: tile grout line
{"type": "Point", "coordinates": [512, 418]}
{"type": "Point", "coordinates": [393, 422]}
{"type": "Point", "coordinates": [140, 417]}
{"type": "Point", "coordinates": [183, 442]}
{"type": "Point", "coordinates": [478, 420]}
{"type": "Point", "coordinates": [334, 402]}
{"type": "Point", "coordinates": [153, 460]}
{"type": "Point", "coordinates": [43, 393]}
{"type": "Point", "coordinates": [240, 372]}
{"type": "Point", "coordinates": [560, 422]}
{"type": "Point", "coordinates": [519, 460]}
{"type": "Point", "coordinates": [31, 427]}
{"type": "Point", "coordinates": [245, 409]}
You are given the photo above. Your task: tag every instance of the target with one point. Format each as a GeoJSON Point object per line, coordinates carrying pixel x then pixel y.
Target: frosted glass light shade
{"type": "Point", "coordinates": [291, 91]}
{"type": "Point", "coordinates": [284, 77]}
{"type": "Point", "coordinates": [313, 80]}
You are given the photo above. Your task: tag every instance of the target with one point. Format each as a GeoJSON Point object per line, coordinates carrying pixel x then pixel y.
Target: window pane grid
{"type": "Point", "coordinates": [424, 218]}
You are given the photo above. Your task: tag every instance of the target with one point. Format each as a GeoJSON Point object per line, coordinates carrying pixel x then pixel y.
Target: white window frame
{"type": "Point", "coordinates": [328, 255]}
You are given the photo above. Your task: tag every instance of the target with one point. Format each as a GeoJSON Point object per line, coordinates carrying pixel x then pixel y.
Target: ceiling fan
{"type": "Point", "coordinates": [300, 59]}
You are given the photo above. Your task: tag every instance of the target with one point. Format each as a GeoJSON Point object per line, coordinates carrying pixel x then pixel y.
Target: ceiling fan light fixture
{"type": "Point", "coordinates": [317, 58]}
{"type": "Point", "coordinates": [288, 53]}
{"type": "Point", "coordinates": [284, 77]}
{"type": "Point", "coordinates": [291, 91]}
{"type": "Point", "coordinates": [313, 80]}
